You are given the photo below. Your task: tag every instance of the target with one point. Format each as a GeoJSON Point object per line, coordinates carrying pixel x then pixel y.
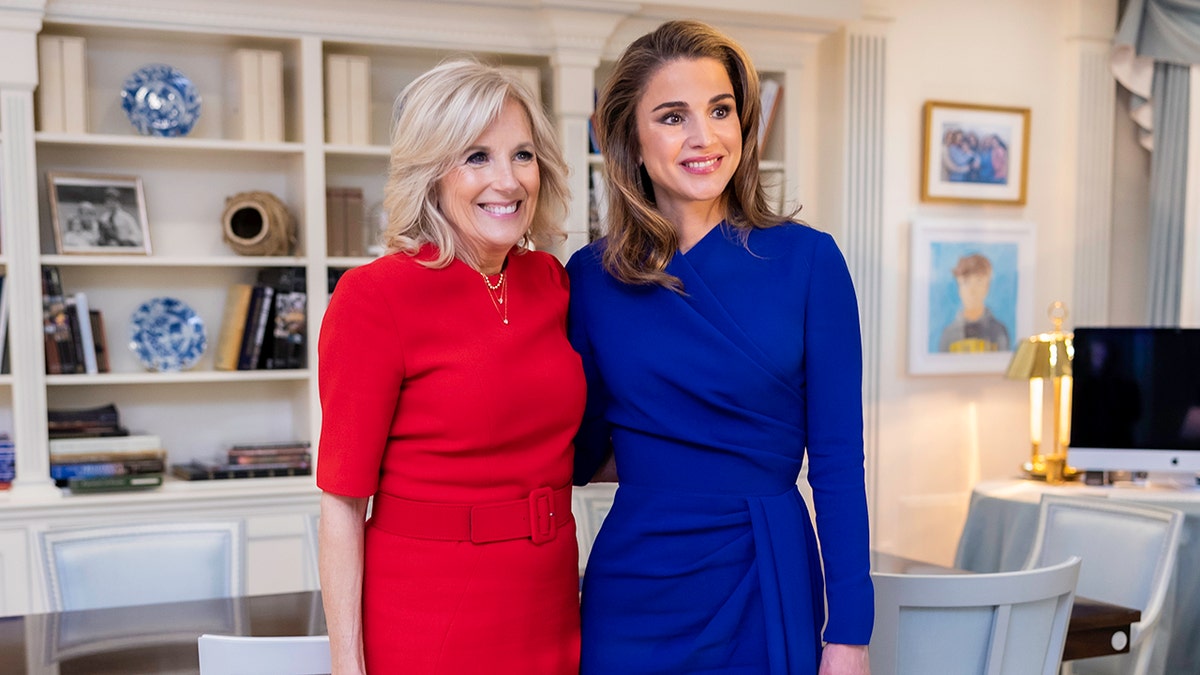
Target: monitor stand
{"type": "Point", "coordinates": [1143, 480]}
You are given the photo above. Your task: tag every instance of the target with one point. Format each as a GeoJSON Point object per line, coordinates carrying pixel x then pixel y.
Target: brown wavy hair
{"type": "Point", "coordinates": [641, 241]}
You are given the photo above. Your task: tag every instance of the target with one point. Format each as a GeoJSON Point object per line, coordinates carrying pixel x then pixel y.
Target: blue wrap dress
{"type": "Point", "coordinates": [708, 561]}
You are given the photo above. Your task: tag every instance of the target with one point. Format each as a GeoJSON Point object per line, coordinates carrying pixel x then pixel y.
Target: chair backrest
{"type": "Point", "coordinates": [247, 655]}
{"type": "Point", "coordinates": [1005, 623]}
{"type": "Point", "coordinates": [1128, 552]}
{"type": "Point", "coordinates": [113, 566]}
{"type": "Point", "coordinates": [590, 505]}
{"type": "Point", "coordinates": [312, 550]}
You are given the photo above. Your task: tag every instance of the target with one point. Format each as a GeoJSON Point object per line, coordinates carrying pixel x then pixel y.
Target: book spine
{"type": "Point", "coordinates": [4, 294]}
{"type": "Point", "coordinates": [102, 457]}
{"type": "Point", "coordinates": [356, 235]}
{"type": "Point", "coordinates": [60, 354]}
{"type": "Point", "coordinates": [335, 222]}
{"type": "Point", "coordinates": [96, 318]}
{"type": "Point", "coordinates": [270, 64]}
{"type": "Point", "coordinates": [74, 332]}
{"type": "Point", "coordinates": [75, 85]}
{"type": "Point", "coordinates": [269, 447]}
{"type": "Point", "coordinates": [8, 461]}
{"type": "Point", "coordinates": [106, 483]}
{"type": "Point", "coordinates": [248, 113]}
{"type": "Point", "coordinates": [247, 355]}
{"type": "Point", "coordinates": [359, 97]}
{"type": "Point", "coordinates": [135, 443]}
{"type": "Point", "coordinates": [769, 97]}
{"type": "Point", "coordinates": [87, 343]}
{"type": "Point", "coordinates": [278, 459]}
{"type": "Point", "coordinates": [103, 469]}
{"type": "Point", "coordinates": [50, 84]}
{"type": "Point", "coordinates": [233, 326]}
{"type": "Point", "coordinates": [337, 99]}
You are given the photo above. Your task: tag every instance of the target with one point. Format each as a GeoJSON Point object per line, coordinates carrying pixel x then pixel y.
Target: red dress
{"type": "Point", "coordinates": [426, 395]}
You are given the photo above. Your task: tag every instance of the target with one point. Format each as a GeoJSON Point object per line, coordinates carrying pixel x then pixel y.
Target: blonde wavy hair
{"type": "Point", "coordinates": [436, 118]}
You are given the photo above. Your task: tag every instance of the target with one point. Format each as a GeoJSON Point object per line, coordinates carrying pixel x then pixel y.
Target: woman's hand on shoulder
{"type": "Point", "coordinates": [839, 659]}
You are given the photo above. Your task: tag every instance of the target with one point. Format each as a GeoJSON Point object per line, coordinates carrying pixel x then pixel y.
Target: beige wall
{"type": "Point", "coordinates": [941, 434]}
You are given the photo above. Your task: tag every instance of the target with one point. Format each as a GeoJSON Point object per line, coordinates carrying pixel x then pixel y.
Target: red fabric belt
{"type": "Point", "coordinates": [536, 517]}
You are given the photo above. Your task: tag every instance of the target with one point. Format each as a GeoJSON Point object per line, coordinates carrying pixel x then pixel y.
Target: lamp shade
{"type": "Point", "coordinates": [1044, 355]}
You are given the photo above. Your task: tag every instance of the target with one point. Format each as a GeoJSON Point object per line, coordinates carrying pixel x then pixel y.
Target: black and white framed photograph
{"type": "Point", "coordinates": [98, 213]}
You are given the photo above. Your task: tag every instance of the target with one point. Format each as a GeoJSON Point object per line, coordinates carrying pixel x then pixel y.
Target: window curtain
{"type": "Point", "coordinates": [1155, 50]}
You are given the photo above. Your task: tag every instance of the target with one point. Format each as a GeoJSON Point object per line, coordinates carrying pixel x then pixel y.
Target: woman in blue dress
{"type": "Point", "coordinates": [721, 345]}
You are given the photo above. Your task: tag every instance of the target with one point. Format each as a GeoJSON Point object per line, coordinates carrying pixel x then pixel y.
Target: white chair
{"type": "Point", "coordinates": [1129, 553]}
{"type": "Point", "coordinates": [1005, 623]}
{"type": "Point", "coordinates": [312, 550]}
{"type": "Point", "coordinates": [247, 655]}
{"type": "Point", "coordinates": [590, 504]}
{"type": "Point", "coordinates": [113, 566]}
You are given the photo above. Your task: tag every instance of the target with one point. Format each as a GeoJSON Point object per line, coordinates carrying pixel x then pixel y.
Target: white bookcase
{"type": "Point", "coordinates": [199, 412]}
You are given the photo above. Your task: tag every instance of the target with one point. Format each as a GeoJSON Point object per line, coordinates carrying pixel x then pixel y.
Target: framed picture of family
{"type": "Point", "coordinates": [98, 213]}
{"type": "Point", "coordinates": [974, 153]}
{"type": "Point", "coordinates": [970, 294]}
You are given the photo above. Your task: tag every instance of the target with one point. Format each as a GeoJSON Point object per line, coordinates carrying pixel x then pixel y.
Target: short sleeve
{"type": "Point", "coordinates": [361, 369]}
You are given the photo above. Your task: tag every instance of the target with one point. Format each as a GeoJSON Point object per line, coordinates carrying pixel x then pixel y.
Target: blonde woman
{"type": "Point", "coordinates": [450, 396]}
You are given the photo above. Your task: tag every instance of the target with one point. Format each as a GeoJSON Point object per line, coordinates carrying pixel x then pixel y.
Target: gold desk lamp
{"type": "Point", "coordinates": [1038, 358]}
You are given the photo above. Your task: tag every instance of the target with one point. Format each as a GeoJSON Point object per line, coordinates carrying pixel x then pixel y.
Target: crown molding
{"type": "Point", "coordinates": [22, 15]}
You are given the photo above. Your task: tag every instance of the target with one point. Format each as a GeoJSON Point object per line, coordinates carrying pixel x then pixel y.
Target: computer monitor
{"type": "Point", "coordinates": [1136, 400]}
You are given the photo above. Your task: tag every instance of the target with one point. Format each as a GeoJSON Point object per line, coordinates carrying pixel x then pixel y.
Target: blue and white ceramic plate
{"type": "Point", "coordinates": [160, 101]}
{"type": "Point", "coordinates": [167, 335]}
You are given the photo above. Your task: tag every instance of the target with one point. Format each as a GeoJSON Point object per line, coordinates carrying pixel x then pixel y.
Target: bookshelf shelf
{"type": "Point", "coordinates": [380, 151]}
{"type": "Point", "coordinates": [174, 145]}
{"type": "Point", "coordinates": [172, 261]}
{"type": "Point", "coordinates": [185, 377]}
{"type": "Point", "coordinates": [345, 263]}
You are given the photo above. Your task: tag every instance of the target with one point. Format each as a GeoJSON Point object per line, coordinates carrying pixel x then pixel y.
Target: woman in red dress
{"type": "Point", "coordinates": [450, 395]}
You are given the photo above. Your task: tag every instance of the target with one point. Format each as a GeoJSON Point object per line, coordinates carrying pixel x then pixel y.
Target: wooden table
{"type": "Point", "coordinates": [1095, 629]}
{"type": "Point", "coordinates": [145, 639]}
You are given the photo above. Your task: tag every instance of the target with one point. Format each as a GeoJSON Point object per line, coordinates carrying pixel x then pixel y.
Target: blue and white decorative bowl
{"type": "Point", "coordinates": [167, 335]}
{"type": "Point", "coordinates": [160, 101]}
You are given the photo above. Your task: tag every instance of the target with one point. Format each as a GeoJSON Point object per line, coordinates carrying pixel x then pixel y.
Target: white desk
{"type": "Point", "coordinates": [1002, 521]}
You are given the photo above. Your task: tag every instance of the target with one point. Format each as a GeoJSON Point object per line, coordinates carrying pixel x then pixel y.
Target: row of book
{"type": "Point", "coordinates": [261, 460]}
{"type": "Point", "coordinates": [4, 295]}
{"type": "Point", "coordinates": [8, 462]}
{"type": "Point", "coordinates": [346, 232]}
{"type": "Point", "coordinates": [107, 463]}
{"type": "Point", "coordinates": [264, 323]}
{"type": "Point", "coordinates": [73, 332]}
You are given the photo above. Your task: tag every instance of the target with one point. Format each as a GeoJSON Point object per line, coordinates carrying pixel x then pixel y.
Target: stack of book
{"type": "Point", "coordinates": [259, 460]}
{"type": "Point", "coordinates": [8, 462]}
{"type": "Point", "coordinates": [107, 463]}
{"type": "Point", "coordinates": [102, 420]}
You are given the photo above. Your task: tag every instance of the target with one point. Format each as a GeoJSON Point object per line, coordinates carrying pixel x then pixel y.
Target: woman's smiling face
{"type": "Point", "coordinates": [490, 194]}
{"type": "Point", "coordinates": [689, 133]}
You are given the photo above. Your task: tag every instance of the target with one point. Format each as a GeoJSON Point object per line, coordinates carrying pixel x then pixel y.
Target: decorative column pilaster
{"type": "Point", "coordinates": [579, 37]}
{"type": "Point", "coordinates": [20, 23]}
{"type": "Point", "coordinates": [861, 52]}
{"type": "Point", "coordinates": [1091, 24]}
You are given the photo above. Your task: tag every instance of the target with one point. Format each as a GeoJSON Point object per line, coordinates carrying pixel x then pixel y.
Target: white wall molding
{"type": "Point", "coordinates": [1090, 27]}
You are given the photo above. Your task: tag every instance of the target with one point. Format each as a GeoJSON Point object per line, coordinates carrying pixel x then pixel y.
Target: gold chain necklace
{"type": "Point", "coordinates": [498, 294]}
